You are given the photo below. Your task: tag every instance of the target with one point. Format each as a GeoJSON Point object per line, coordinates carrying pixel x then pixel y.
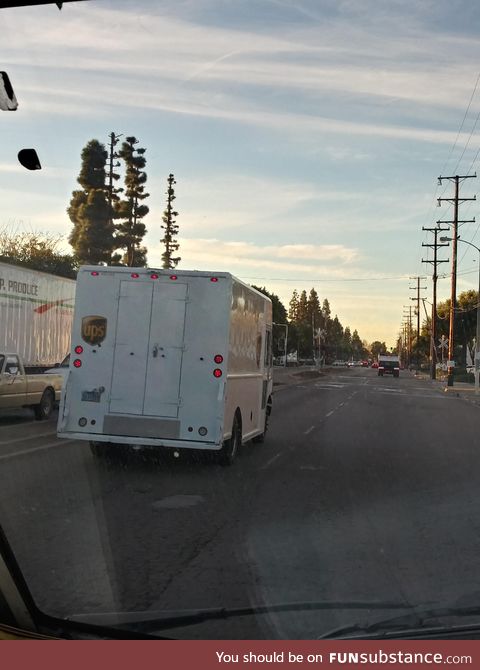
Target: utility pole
{"type": "Point", "coordinates": [417, 288]}
{"type": "Point", "coordinates": [456, 200]}
{"type": "Point", "coordinates": [433, 327]}
{"type": "Point", "coordinates": [409, 332]}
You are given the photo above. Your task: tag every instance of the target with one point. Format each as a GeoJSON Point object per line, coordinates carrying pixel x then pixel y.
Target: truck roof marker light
{"type": "Point", "coordinates": [214, 279]}
{"type": "Point", "coordinates": [79, 349]}
{"type": "Point", "coordinates": [218, 358]}
{"type": "Point", "coordinates": [94, 273]}
{"type": "Point", "coordinates": [77, 363]}
{"type": "Point", "coordinates": [173, 277]}
{"type": "Point", "coordinates": [134, 275]}
{"type": "Point", "coordinates": [217, 372]}
{"type": "Point", "coordinates": [154, 276]}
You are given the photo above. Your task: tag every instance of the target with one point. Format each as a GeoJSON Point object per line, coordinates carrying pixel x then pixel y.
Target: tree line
{"type": "Point", "coordinates": [107, 219]}
{"type": "Point", "coordinates": [465, 326]}
{"type": "Point", "coordinates": [312, 331]}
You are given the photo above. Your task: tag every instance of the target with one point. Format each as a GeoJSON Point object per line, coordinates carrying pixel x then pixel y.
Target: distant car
{"type": "Point", "coordinates": [364, 364]}
{"type": "Point", "coordinates": [375, 364]}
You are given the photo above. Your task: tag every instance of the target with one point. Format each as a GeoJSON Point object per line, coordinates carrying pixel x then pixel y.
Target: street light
{"type": "Point", "coordinates": [477, 338]}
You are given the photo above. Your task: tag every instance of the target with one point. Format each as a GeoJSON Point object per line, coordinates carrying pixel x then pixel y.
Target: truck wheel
{"type": "Point", "coordinates": [45, 406]}
{"type": "Point", "coordinates": [227, 453]}
{"type": "Point", "coordinates": [105, 451]}
{"type": "Point", "coordinates": [260, 439]}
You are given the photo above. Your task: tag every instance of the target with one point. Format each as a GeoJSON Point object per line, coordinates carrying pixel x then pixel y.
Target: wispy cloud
{"type": "Point", "coordinates": [332, 260]}
{"type": "Point", "coordinates": [208, 71]}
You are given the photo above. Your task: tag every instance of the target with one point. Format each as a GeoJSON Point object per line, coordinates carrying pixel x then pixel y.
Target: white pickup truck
{"type": "Point", "coordinates": [18, 389]}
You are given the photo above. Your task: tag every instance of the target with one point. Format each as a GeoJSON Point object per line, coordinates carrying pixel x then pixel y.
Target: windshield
{"type": "Point", "coordinates": [224, 230]}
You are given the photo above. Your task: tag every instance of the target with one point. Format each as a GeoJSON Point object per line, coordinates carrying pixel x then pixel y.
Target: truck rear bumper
{"type": "Point", "coordinates": [143, 441]}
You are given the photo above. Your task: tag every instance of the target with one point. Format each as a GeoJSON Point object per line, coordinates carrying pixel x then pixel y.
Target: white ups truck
{"type": "Point", "coordinates": [178, 359]}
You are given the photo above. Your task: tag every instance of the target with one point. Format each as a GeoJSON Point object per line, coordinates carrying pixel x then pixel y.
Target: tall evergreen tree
{"type": "Point", "coordinates": [357, 346]}
{"type": "Point", "coordinates": [314, 311]}
{"type": "Point", "coordinates": [170, 227]}
{"type": "Point", "coordinates": [303, 308]}
{"type": "Point", "coordinates": [293, 307]}
{"type": "Point", "coordinates": [92, 237]}
{"type": "Point", "coordinates": [335, 341]}
{"type": "Point", "coordinates": [131, 230]}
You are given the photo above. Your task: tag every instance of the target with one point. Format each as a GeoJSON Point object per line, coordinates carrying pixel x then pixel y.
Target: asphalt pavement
{"type": "Point", "coordinates": [366, 490]}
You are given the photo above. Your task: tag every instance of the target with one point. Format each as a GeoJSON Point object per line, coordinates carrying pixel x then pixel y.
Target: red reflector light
{"type": "Point", "coordinates": [134, 275]}
{"type": "Point", "coordinates": [153, 276]}
{"type": "Point", "coordinates": [213, 278]}
{"type": "Point", "coordinates": [217, 372]}
{"type": "Point", "coordinates": [79, 349]}
{"type": "Point", "coordinates": [218, 358]}
{"type": "Point", "coordinates": [173, 277]}
{"type": "Point", "coordinates": [94, 273]}
{"type": "Point", "coordinates": [77, 363]}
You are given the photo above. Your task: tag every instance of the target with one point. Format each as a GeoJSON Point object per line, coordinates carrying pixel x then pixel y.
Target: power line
{"type": "Point", "coordinates": [461, 126]}
{"type": "Point", "coordinates": [315, 279]}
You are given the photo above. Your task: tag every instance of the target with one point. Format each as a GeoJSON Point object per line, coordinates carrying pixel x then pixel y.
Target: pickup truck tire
{"type": "Point", "coordinates": [45, 407]}
{"type": "Point", "coordinates": [230, 447]}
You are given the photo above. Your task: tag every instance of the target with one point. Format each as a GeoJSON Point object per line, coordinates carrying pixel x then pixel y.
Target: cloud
{"type": "Point", "coordinates": [209, 71]}
{"type": "Point", "coordinates": [331, 260]}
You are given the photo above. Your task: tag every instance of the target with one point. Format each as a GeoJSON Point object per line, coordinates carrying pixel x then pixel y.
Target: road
{"type": "Point", "coordinates": [365, 490]}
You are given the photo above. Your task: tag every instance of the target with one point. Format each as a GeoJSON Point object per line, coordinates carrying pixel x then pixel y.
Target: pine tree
{"type": "Point", "coordinates": [314, 311]}
{"type": "Point", "coordinates": [293, 307]}
{"type": "Point", "coordinates": [303, 308]}
{"type": "Point", "coordinates": [170, 227]}
{"type": "Point", "coordinates": [131, 231]}
{"type": "Point", "coordinates": [92, 237]}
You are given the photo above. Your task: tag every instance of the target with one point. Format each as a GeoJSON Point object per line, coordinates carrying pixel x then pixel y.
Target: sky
{"type": "Point", "coordinates": [305, 136]}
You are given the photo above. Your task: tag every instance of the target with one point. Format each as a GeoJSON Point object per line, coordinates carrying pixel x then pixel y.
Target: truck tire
{"type": "Point", "coordinates": [106, 452]}
{"type": "Point", "coordinates": [260, 439]}
{"type": "Point", "coordinates": [230, 447]}
{"type": "Point", "coordinates": [45, 407]}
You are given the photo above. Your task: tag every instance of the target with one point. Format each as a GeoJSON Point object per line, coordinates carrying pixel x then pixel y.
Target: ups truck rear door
{"type": "Point", "coordinates": [148, 349]}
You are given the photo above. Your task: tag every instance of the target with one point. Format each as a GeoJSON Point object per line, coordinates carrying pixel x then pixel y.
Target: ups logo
{"type": "Point", "coordinates": [94, 329]}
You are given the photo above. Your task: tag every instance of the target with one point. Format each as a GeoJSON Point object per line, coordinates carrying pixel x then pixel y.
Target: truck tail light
{"type": "Point", "coordinates": [94, 273]}
{"type": "Point", "coordinates": [154, 276]}
{"type": "Point", "coordinates": [218, 359]}
{"type": "Point", "coordinates": [214, 279]}
{"type": "Point", "coordinates": [173, 277]}
{"type": "Point", "coordinates": [134, 275]}
{"type": "Point", "coordinates": [217, 372]}
{"type": "Point", "coordinates": [77, 363]}
{"type": "Point", "coordinates": [79, 349]}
